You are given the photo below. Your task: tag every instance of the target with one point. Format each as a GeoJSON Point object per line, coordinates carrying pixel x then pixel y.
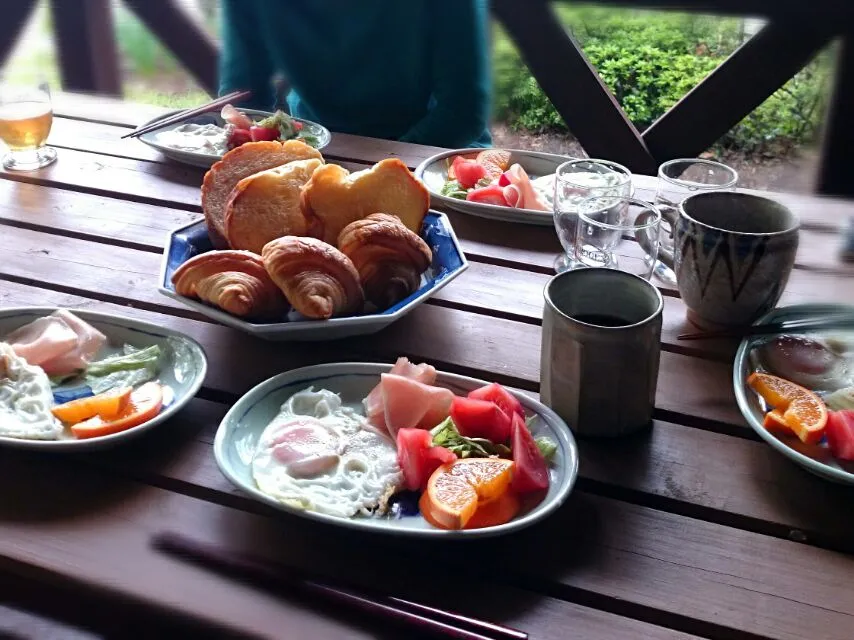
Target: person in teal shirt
{"type": "Point", "coordinates": [409, 70]}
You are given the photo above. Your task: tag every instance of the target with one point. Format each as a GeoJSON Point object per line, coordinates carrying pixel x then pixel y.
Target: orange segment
{"type": "Point", "coordinates": [799, 409]}
{"type": "Point", "coordinates": [456, 491]}
{"type": "Point", "coordinates": [105, 405]}
{"type": "Point", "coordinates": [489, 514]}
{"type": "Point", "coordinates": [774, 421]}
{"type": "Point", "coordinates": [495, 161]}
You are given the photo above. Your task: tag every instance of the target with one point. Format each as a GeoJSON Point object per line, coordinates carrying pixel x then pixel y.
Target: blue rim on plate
{"type": "Point", "coordinates": [113, 326]}
{"type": "Point", "coordinates": [749, 402]}
{"type": "Point", "coordinates": [448, 263]}
{"type": "Point", "coordinates": [238, 433]}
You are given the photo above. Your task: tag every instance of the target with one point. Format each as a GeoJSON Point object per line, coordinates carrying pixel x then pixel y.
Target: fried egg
{"type": "Point", "coordinates": [321, 456]}
{"type": "Point", "coordinates": [25, 399]}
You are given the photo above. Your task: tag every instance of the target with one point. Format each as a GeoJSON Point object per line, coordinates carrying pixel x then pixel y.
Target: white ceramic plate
{"type": "Point", "coordinates": [239, 431]}
{"type": "Point", "coordinates": [182, 372]}
{"type": "Point", "coordinates": [448, 262]}
{"type": "Point", "coordinates": [752, 407]}
{"type": "Point", "coordinates": [207, 159]}
{"type": "Point", "coordinates": [433, 172]}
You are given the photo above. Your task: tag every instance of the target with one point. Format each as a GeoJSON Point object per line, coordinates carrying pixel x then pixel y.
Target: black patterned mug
{"type": "Point", "coordinates": [733, 253]}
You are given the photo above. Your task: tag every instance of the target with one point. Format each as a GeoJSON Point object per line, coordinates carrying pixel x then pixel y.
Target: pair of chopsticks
{"type": "Point", "coordinates": [277, 578]}
{"type": "Point", "coordinates": [830, 321]}
{"type": "Point", "coordinates": [234, 96]}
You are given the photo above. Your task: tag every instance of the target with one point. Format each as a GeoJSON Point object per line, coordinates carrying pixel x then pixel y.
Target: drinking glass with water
{"type": "Point", "coordinates": [26, 117]}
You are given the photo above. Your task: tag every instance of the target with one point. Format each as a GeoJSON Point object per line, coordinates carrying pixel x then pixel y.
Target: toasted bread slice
{"type": "Point", "coordinates": [338, 197]}
{"type": "Point", "coordinates": [266, 206]}
{"type": "Point", "coordinates": [240, 163]}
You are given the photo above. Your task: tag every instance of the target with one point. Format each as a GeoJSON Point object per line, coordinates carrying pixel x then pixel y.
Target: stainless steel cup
{"type": "Point", "coordinates": [601, 379]}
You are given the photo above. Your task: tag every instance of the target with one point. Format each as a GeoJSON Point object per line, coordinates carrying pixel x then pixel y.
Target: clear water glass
{"type": "Point", "coordinates": [26, 117]}
{"type": "Point", "coordinates": [575, 182]}
{"type": "Point", "coordinates": [618, 233]}
{"type": "Point", "coordinates": [680, 178]}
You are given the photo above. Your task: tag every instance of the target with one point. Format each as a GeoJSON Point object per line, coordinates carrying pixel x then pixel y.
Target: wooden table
{"type": "Point", "coordinates": [694, 529]}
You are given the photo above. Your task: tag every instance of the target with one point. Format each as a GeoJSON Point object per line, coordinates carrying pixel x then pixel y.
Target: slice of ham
{"type": "Point", "coordinates": [89, 343]}
{"type": "Point", "coordinates": [412, 404]}
{"type": "Point", "coordinates": [373, 403]}
{"type": "Point", "coordinates": [520, 193]}
{"type": "Point", "coordinates": [60, 343]}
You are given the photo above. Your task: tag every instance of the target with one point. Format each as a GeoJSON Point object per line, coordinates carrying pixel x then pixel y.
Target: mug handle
{"type": "Point", "coordinates": [664, 254]}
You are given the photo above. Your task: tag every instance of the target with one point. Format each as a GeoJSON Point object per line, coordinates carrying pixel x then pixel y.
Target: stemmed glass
{"type": "Point", "coordinates": [680, 178]}
{"type": "Point", "coordinates": [26, 116]}
{"type": "Point", "coordinates": [576, 181]}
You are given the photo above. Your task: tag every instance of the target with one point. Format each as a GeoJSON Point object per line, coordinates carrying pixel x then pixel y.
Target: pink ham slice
{"type": "Point", "coordinates": [89, 343]}
{"type": "Point", "coordinates": [374, 408]}
{"type": "Point", "coordinates": [60, 343]}
{"type": "Point", "coordinates": [520, 193]}
{"type": "Point", "coordinates": [409, 403]}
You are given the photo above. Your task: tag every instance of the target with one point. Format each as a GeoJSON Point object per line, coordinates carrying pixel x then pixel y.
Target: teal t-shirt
{"type": "Point", "coordinates": [410, 70]}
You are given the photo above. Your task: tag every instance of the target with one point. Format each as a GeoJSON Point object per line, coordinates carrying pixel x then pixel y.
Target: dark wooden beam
{"type": "Point", "coordinates": [836, 171]}
{"type": "Point", "coordinates": [193, 47]}
{"type": "Point", "coordinates": [571, 83]}
{"type": "Point", "coordinates": [743, 82]}
{"type": "Point", "coordinates": [86, 46]}
{"type": "Point", "coordinates": [15, 16]}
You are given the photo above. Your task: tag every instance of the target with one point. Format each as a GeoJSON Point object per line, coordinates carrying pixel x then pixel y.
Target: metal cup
{"type": "Point", "coordinates": [601, 379]}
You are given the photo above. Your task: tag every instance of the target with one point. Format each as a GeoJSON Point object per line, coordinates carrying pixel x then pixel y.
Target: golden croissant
{"type": "Point", "coordinates": [234, 281]}
{"type": "Point", "coordinates": [318, 280]}
{"type": "Point", "coordinates": [389, 257]}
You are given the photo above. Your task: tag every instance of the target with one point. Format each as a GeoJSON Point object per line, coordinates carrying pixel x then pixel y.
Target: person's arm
{"type": "Point", "coordinates": [244, 63]}
{"type": "Point", "coordinates": [461, 82]}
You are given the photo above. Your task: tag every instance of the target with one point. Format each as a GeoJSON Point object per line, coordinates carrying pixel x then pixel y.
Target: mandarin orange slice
{"type": "Point", "coordinates": [495, 161]}
{"type": "Point", "coordinates": [801, 410]}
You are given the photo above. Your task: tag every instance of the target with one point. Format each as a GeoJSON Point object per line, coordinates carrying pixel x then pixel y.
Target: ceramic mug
{"type": "Point", "coordinates": [600, 351]}
{"type": "Point", "coordinates": [733, 253]}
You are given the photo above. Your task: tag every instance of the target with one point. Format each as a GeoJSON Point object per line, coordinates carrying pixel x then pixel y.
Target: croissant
{"type": "Point", "coordinates": [234, 281]}
{"type": "Point", "coordinates": [318, 280]}
{"type": "Point", "coordinates": [389, 257]}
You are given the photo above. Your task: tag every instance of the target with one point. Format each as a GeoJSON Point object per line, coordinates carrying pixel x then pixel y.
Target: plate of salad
{"type": "Point", "coordinates": [202, 140]}
{"type": "Point", "coordinates": [500, 184]}
{"type": "Point", "coordinates": [398, 449]}
{"type": "Point", "coordinates": [75, 380]}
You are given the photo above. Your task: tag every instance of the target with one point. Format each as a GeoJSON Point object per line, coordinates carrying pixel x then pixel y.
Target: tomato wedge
{"type": "Point", "coordinates": [259, 134]}
{"type": "Point", "coordinates": [469, 172]}
{"type": "Point", "coordinates": [418, 458]}
{"type": "Point", "coordinates": [532, 472]}
{"type": "Point", "coordinates": [143, 405]}
{"type": "Point", "coordinates": [480, 419]}
{"type": "Point", "coordinates": [840, 434]}
{"type": "Point", "coordinates": [499, 395]}
{"type": "Point", "coordinates": [107, 405]}
{"type": "Point", "coordinates": [493, 194]}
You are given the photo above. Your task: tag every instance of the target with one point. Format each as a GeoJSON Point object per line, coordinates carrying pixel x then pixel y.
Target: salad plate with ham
{"type": "Point", "coordinates": [77, 380]}
{"type": "Point", "coordinates": [400, 449]}
{"type": "Point", "coordinates": [502, 184]}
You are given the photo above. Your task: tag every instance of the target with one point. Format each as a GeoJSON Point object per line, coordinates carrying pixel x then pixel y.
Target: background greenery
{"type": "Point", "coordinates": [650, 60]}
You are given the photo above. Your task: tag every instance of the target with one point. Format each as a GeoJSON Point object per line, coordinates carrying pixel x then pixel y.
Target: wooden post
{"type": "Point", "coordinates": [193, 47]}
{"type": "Point", "coordinates": [15, 16]}
{"type": "Point", "coordinates": [86, 46]}
{"type": "Point", "coordinates": [836, 171]}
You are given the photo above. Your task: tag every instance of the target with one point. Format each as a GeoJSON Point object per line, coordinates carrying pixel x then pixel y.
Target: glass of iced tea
{"type": "Point", "coordinates": [25, 119]}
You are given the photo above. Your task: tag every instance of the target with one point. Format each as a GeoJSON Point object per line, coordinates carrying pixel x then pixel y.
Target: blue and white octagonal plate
{"type": "Point", "coordinates": [448, 262]}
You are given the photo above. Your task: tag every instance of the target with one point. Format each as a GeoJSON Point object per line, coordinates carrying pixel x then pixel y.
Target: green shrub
{"type": "Point", "coordinates": [650, 61]}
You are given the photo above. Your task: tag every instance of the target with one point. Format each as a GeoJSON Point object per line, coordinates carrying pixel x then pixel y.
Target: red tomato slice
{"type": "Point", "coordinates": [499, 395]}
{"type": "Point", "coordinates": [480, 419]}
{"type": "Point", "coordinates": [143, 405]}
{"type": "Point", "coordinates": [263, 133]}
{"type": "Point", "coordinates": [531, 472]}
{"type": "Point", "coordinates": [452, 170]}
{"type": "Point", "coordinates": [435, 457]}
{"type": "Point", "coordinates": [469, 172]}
{"type": "Point", "coordinates": [418, 458]}
{"type": "Point", "coordinates": [503, 180]}
{"type": "Point", "coordinates": [493, 194]}
{"type": "Point", "coordinates": [840, 434]}
{"type": "Point", "coordinates": [238, 137]}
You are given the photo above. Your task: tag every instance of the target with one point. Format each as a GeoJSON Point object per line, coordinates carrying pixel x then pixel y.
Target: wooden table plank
{"type": "Point", "coordinates": [99, 536]}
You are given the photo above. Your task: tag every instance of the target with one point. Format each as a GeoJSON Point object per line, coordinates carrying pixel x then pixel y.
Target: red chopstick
{"type": "Point", "coordinates": [234, 96]}
{"type": "Point", "coordinates": [263, 574]}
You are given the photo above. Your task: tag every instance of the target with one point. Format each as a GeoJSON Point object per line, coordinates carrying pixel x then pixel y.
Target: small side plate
{"type": "Point", "coordinates": [821, 463]}
{"type": "Point", "coordinates": [207, 159]}
{"type": "Point", "coordinates": [238, 434]}
{"type": "Point", "coordinates": [184, 377]}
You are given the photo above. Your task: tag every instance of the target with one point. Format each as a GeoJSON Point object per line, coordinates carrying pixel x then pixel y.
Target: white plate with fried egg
{"type": "Point", "coordinates": [338, 492]}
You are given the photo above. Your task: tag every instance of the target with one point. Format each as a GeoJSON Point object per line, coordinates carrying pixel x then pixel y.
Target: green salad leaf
{"type": "Point", "coordinates": [547, 447]}
{"type": "Point", "coordinates": [281, 121]}
{"type": "Point", "coordinates": [309, 139]}
{"type": "Point", "coordinates": [447, 435]}
{"type": "Point", "coordinates": [131, 368]}
{"type": "Point", "coordinates": [453, 189]}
